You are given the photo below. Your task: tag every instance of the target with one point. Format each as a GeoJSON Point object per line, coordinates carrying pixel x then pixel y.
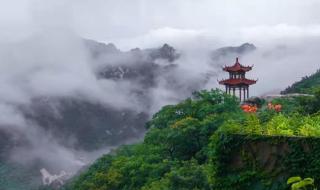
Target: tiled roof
{"type": "Point", "coordinates": [237, 67]}
{"type": "Point", "coordinates": [238, 81]}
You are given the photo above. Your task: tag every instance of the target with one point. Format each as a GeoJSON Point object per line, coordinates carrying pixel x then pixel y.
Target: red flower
{"type": "Point", "coordinates": [249, 108]}
{"type": "Point", "coordinates": [276, 107]}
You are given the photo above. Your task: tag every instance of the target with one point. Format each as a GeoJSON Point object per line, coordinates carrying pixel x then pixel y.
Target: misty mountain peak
{"type": "Point", "coordinates": [99, 48]}
{"type": "Point", "coordinates": [167, 49]}
{"type": "Point", "coordinates": [167, 46]}
{"type": "Point", "coordinates": [232, 51]}
{"type": "Point", "coordinates": [164, 52]}
{"type": "Point", "coordinates": [135, 49]}
{"type": "Point", "coordinates": [111, 47]}
{"type": "Point", "coordinates": [247, 47]}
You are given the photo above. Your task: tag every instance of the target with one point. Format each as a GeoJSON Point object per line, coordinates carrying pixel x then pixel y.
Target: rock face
{"type": "Point", "coordinates": [275, 157]}
{"type": "Point", "coordinates": [165, 52]}
{"type": "Point", "coordinates": [139, 66]}
{"type": "Point", "coordinates": [55, 181]}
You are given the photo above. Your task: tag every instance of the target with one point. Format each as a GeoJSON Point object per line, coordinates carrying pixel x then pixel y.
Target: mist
{"type": "Point", "coordinates": [43, 57]}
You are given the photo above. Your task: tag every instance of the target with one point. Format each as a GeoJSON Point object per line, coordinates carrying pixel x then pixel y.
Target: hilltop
{"type": "Point", "coordinates": [307, 84]}
{"type": "Point", "coordinates": [190, 145]}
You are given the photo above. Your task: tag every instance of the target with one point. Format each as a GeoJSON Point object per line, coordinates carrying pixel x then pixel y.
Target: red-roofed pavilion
{"type": "Point", "coordinates": [237, 80]}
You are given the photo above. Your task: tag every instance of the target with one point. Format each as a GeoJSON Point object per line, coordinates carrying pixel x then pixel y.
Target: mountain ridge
{"type": "Point", "coordinates": [81, 124]}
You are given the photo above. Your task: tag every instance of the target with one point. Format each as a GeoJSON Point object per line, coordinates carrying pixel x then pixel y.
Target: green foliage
{"type": "Point", "coordinates": [201, 105]}
{"type": "Point", "coordinates": [290, 105]}
{"type": "Point", "coordinates": [307, 84]}
{"type": "Point", "coordinates": [310, 104]}
{"type": "Point", "coordinates": [263, 162]}
{"type": "Point", "coordinates": [293, 180]}
{"type": "Point", "coordinates": [191, 145]}
{"type": "Point", "coordinates": [189, 175]}
{"type": "Point", "coordinates": [277, 125]}
{"type": "Point", "coordinates": [301, 184]}
{"type": "Point", "coordinates": [252, 125]}
{"type": "Point", "coordinates": [174, 153]}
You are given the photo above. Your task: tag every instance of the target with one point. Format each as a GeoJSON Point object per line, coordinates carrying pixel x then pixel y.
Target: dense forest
{"type": "Point", "coordinates": [188, 146]}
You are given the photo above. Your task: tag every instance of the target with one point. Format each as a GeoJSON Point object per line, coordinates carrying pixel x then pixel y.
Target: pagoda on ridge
{"type": "Point", "coordinates": [237, 80]}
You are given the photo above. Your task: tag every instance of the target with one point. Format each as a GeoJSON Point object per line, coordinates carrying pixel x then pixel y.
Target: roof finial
{"type": "Point", "coordinates": [237, 60]}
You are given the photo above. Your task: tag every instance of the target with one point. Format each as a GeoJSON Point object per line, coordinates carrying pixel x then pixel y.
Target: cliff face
{"type": "Point", "coordinates": [264, 162]}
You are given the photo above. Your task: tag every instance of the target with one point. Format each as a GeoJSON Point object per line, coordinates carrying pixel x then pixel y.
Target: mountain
{"type": "Point", "coordinates": [232, 51]}
{"type": "Point", "coordinates": [79, 126]}
{"type": "Point", "coordinates": [140, 66]}
{"type": "Point", "coordinates": [306, 85]}
{"type": "Point", "coordinates": [173, 153]}
{"type": "Point", "coordinates": [92, 125]}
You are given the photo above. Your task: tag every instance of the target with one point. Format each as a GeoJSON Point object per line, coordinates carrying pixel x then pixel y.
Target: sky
{"type": "Point", "coordinates": [145, 23]}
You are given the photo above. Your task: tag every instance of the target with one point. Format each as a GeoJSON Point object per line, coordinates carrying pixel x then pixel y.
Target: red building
{"type": "Point", "coordinates": [237, 80]}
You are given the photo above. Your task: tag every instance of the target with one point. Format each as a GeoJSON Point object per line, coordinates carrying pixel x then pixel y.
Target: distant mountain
{"type": "Point", "coordinates": [140, 66]}
{"type": "Point", "coordinates": [226, 55]}
{"type": "Point", "coordinates": [234, 51]}
{"type": "Point", "coordinates": [85, 125]}
{"type": "Point", "coordinates": [165, 52]}
{"type": "Point", "coordinates": [306, 85]}
{"type": "Point", "coordinates": [92, 125]}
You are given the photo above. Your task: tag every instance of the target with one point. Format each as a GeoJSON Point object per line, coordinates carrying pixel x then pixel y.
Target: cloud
{"type": "Point", "coordinates": [156, 37]}
{"type": "Point", "coordinates": [280, 32]}
{"type": "Point", "coordinates": [53, 65]}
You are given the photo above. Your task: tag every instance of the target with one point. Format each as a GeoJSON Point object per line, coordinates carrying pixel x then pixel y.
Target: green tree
{"type": "Point", "coordinates": [279, 125]}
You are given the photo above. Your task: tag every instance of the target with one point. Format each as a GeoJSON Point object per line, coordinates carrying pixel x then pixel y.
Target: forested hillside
{"type": "Point", "coordinates": [184, 144]}
{"type": "Point", "coordinates": [307, 84]}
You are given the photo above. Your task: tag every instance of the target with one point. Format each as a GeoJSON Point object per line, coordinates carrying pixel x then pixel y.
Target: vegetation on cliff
{"type": "Point", "coordinates": [183, 142]}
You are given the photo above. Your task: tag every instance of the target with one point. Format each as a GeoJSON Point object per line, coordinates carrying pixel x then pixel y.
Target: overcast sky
{"type": "Point", "coordinates": [200, 25]}
{"type": "Point", "coordinates": [146, 23]}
